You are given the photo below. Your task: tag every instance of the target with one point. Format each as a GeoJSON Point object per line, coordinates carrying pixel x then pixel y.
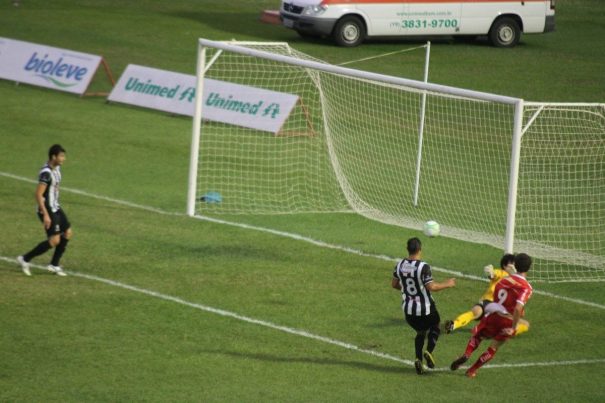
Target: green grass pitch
{"type": "Point", "coordinates": [162, 307]}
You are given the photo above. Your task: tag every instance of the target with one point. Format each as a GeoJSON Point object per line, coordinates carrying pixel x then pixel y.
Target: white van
{"type": "Point", "coordinates": [350, 22]}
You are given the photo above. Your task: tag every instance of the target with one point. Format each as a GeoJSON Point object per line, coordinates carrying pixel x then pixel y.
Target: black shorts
{"type": "Point", "coordinates": [58, 223]}
{"type": "Point", "coordinates": [423, 323]}
{"type": "Point", "coordinates": [482, 305]}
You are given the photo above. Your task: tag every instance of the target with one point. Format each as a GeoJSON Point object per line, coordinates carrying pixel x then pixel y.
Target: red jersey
{"type": "Point", "coordinates": [512, 290]}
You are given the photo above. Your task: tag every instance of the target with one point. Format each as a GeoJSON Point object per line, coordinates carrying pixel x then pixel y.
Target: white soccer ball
{"type": "Point", "coordinates": [431, 228]}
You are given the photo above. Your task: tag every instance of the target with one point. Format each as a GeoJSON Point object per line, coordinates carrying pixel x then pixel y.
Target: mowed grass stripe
{"type": "Point", "coordinates": [297, 237]}
{"type": "Point", "coordinates": [285, 329]}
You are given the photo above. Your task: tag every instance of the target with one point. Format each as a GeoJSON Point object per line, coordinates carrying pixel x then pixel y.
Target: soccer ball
{"type": "Point", "coordinates": [431, 228]}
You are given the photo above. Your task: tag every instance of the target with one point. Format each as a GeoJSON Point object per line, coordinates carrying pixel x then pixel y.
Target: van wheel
{"type": "Point", "coordinates": [349, 32]}
{"type": "Point", "coordinates": [505, 33]}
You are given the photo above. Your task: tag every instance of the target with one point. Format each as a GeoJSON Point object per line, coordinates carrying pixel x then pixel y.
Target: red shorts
{"type": "Point", "coordinates": [491, 327]}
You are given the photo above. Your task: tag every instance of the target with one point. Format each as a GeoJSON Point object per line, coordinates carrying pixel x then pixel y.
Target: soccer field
{"type": "Point", "coordinates": [159, 306]}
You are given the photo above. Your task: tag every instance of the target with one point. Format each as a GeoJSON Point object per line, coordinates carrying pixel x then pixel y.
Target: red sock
{"type": "Point", "coordinates": [472, 345]}
{"type": "Point", "coordinates": [485, 357]}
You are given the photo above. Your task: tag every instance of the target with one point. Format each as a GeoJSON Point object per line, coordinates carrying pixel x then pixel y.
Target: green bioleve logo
{"type": "Point", "coordinates": [55, 82]}
{"type": "Point", "coordinates": [55, 72]}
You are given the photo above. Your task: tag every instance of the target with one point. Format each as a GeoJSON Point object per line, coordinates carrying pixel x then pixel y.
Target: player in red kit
{"type": "Point", "coordinates": [501, 316]}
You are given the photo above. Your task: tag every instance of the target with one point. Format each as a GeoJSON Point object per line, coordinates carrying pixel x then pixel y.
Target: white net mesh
{"type": "Point", "coordinates": [351, 145]}
{"type": "Point", "coordinates": [261, 173]}
{"type": "Point", "coordinates": [561, 195]}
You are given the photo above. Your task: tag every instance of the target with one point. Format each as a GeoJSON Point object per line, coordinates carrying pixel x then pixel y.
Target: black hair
{"type": "Point", "coordinates": [507, 259]}
{"type": "Point", "coordinates": [55, 149]}
{"type": "Point", "coordinates": [522, 262]}
{"type": "Point", "coordinates": [414, 246]}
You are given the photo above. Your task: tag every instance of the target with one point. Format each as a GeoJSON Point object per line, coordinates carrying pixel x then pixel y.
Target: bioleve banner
{"type": "Point", "coordinates": [46, 66]}
{"type": "Point", "coordinates": [225, 102]}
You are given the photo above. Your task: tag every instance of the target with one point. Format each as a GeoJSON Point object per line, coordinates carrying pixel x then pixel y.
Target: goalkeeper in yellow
{"type": "Point", "coordinates": [506, 267]}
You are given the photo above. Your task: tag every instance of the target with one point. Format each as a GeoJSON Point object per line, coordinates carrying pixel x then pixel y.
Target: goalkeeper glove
{"type": "Point", "coordinates": [489, 271]}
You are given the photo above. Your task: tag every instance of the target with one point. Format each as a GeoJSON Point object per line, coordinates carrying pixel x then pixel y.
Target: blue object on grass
{"type": "Point", "coordinates": [212, 197]}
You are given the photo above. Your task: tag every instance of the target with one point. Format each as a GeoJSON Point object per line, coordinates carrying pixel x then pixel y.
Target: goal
{"type": "Point", "coordinates": [486, 167]}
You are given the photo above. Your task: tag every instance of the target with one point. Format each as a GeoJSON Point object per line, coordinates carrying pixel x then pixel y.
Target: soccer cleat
{"type": "Point", "coordinates": [471, 374]}
{"type": "Point", "coordinates": [24, 266]}
{"type": "Point", "coordinates": [458, 362]}
{"type": "Point", "coordinates": [449, 326]}
{"type": "Point", "coordinates": [57, 270]}
{"type": "Point", "coordinates": [430, 361]}
{"type": "Point", "coordinates": [419, 367]}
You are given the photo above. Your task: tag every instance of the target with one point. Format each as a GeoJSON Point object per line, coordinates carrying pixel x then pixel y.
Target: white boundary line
{"type": "Point", "coordinates": [285, 329]}
{"type": "Point", "coordinates": [295, 237]}
{"type": "Point", "coordinates": [222, 312]}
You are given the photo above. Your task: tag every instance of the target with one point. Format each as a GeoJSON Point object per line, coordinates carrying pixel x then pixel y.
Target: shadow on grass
{"type": "Point", "coordinates": [390, 322]}
{"type": "Point", "coordinates": [394, 368]}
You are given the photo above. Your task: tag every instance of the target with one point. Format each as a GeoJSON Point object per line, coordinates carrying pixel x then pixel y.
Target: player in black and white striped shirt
{"type": "Point", "coordinates": [54, 220]}
{"type": "Point", "coordinates": [414, 279]}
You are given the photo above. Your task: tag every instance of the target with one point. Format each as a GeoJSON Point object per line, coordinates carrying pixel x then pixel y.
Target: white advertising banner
{"type": "Point", "coordinates": [224, 102]}
{"type": "Point", "coordinates": [45, 66]}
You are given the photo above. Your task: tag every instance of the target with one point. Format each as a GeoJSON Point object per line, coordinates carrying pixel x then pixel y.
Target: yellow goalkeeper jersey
{"type": "Point", "coordinates": [499, 274]}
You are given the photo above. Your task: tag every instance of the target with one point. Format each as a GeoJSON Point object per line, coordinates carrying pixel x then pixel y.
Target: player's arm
{"type": "Point", "coordinates": [396, 284]}
{"type": "Point", "coordinates": [517, 313]}
{"type": "Point", "coordinates": [489, 271]}
{"type": "Point", "coordinates": [434, 286]}
{"type": "Point", "coordinates": [431, 285]}
{"type": "Point", "coordinates": [40, 189]}
{"type": "Point", "coordinates": [510, 269]}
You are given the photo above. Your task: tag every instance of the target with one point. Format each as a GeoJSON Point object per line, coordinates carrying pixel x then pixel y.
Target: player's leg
{"type": "Point", "coordinates": [485, 357]}
{"type": "Point", "coordinates": [419, 346]}
{"type": "Point", "coordinates": [479, 333]}
{"type": "Point", "coordinates": [494, 326]}
{"type": "Point", "coordinates": [38, 250]}
{"type": "Point", "coordinates": [41, 248]}
{"type": "Point", "coordinates": [522, 326]}
{"type": "Point", "coordinates": [60, 248]}
{"type": "Point", "coordinates": [418, 324]}
{"type": "Point", "coordinates": [66, 234]}
{"type": "Point", "coordinates": [464, 318]}
{"type": "Point", "coordinates": [433, 336]}
{"type": "Point", "coordinates": [54, 240]}
{"type": "Point", "coordinates": [471, 346]}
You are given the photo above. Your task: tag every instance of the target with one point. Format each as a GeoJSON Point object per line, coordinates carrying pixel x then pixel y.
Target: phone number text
{"type": "Point", "coordinates": [436, 23]}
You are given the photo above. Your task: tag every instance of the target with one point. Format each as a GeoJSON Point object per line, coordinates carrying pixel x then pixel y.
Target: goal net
{"type": "Point", "coordinates": [351, 142]}
{"type": "Point", "coordinates": [561, 191]}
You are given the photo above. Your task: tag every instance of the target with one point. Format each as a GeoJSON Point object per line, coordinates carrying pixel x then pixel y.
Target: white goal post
{"type": "Point", "coordinates": [351, 144]}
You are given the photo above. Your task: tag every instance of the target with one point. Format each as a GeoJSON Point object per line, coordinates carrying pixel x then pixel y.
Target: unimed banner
{"type": "Point", "coordinates": [225, 102]}
{"type": "Point", "coordinates": [45, 66]}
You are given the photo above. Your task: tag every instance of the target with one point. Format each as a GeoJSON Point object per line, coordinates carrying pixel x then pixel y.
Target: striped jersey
{"type": "Point", "coordinates": [413, 276]}
{"type": "Point", "coordinates": [52, 178]}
